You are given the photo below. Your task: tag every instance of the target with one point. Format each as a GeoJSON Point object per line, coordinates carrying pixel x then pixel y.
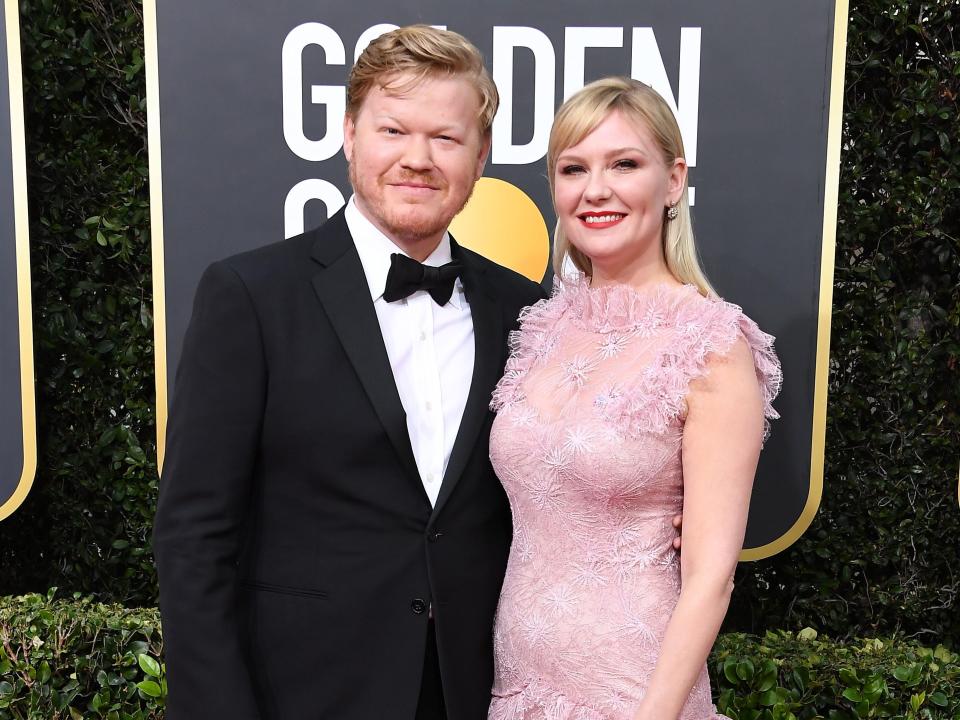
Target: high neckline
{"type": "Point", "coordinates": [619, 307]}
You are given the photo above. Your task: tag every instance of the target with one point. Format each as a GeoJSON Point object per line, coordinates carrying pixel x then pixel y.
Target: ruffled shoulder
{"type": "Point", "coordinates": [703, 327]}
{"type": "Point", "coordinates": [531, 342]}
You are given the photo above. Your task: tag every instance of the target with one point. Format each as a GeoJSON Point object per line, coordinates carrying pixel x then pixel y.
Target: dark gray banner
{"type": "Point", "coordinates": [17, 431]}
{"type": "Point", "coordinates": [251, 98]}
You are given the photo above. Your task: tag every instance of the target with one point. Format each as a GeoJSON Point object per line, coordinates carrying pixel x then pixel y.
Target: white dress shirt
{"type": "Point", "coordinates": [430, 348]}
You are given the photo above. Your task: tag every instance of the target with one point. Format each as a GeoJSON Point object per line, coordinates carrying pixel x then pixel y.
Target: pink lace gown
{"type": "Point", "coordinates": [587, 445]}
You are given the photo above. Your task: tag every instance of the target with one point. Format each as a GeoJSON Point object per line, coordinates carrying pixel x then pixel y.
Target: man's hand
{"type": "Point", "coordinates": [678, 524]}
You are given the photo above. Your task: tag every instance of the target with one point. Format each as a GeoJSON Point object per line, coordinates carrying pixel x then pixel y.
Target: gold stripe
{"type": "Point", "coordinates": [156, 222]}
{"type": "Point", "coordinates": [830, 201]}
{"type": "Point", "coordinates": [25, 313]}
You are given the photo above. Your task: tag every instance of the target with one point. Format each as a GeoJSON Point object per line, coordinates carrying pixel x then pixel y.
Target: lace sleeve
{"type": "Point", "coordinates": [706, 327]}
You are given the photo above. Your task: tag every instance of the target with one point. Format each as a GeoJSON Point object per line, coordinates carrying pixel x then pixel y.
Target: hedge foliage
{"type": "Point", "coordinates": [73, 659]}
{"type": "Point", "coordinates": [86, 523]}
{"type": "Point", "coordinates": [882, 554]}
{"type": "Point", "coordinates": [78, 659]}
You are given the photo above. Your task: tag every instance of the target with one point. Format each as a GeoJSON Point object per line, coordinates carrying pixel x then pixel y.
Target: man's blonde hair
{"type": "Point", "coordinates": [418, 52]}
{"type": "Point", "coordinates": [643, 108]}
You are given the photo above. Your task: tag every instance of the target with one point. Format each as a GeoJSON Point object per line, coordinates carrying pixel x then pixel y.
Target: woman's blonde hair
{"type": "Point", "coordinates": [642, 106]}
{"type": "Point", "coordinates": [421, 51]}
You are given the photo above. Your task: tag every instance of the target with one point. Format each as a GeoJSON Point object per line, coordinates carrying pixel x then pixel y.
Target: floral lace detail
{"type": "Point", "coordinates": [538, 701]}
{"type": "Point", "coordinates": [587, 444]}
{"type": "Point", "coordinates": [703, 326]}
{"type": "Point", "coordinates": [528, 345]}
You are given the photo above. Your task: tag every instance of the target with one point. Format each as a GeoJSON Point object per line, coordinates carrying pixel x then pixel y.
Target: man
{"type": "Point", "coordinates": [330, 537]}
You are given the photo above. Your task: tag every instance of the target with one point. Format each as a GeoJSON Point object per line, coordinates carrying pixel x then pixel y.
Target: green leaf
{"type": "Point", "coordinates": [769, 698]}
{"type": "Point", "coordinates": [853, 695]}
{"type": "Point", "coordinates": [917, 700]}
{"type": "Point", "coordinates": [849, 676]}
{"type": "Point", "coordinates": [150, 666]}
{"type": "Point", "coordinates": [767, 681]}
{"type": "Point", "coordinates": [730, 671]}
{"type": "Point", "coordinates": [149, 687]}
{"type": "Point", "coordinates": [902, 673]}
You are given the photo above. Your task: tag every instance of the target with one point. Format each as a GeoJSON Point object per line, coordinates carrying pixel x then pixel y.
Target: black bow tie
{"type": "Point", "coordinates": [406, 276]}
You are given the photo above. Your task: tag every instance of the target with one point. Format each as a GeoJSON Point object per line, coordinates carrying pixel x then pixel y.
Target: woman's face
{"type": "Point", "coordinates": [611, 191]}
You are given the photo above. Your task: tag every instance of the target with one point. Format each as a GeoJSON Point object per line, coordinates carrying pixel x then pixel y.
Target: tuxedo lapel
{"type": "Point", "coordinates": [489, 349]}
{"type": "Point", "coordinates": [344, 293]}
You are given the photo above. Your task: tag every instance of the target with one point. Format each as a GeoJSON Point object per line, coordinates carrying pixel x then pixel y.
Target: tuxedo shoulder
{"type": "Point", "coordinates": [510, 285]}
{"type": "Point", "coordinates": [280, 260]}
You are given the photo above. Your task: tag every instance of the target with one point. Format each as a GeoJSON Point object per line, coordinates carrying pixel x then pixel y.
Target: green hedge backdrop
{"type": "Point", "coordinates": [881, 558]}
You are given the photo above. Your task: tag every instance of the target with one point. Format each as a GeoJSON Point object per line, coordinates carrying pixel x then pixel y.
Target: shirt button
{"type": "Point", "coordinates": [423, 336]}
{"type": "Point", "coordinates": [419, 606]}
{"type": "Point", "coordinates": [429, 405]}
{"type": "Point", "coordinates": [430, 477]}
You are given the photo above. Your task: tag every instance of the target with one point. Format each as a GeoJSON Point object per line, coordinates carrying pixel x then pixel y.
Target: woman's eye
{"type": "Point", "coordinates": [571, 169]}
{"type": "Point", "coordinates": [625, 164]}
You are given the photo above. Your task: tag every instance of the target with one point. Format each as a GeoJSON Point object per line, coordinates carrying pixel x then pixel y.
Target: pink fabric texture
{"type": "Point", "coordinates": [587, 444]}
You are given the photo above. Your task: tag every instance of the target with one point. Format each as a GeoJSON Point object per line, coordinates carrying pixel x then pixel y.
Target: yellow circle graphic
{"type": "Point", "coordinates": [503, 224]}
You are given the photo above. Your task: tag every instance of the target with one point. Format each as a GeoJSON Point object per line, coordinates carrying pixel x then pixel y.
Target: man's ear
{"type": "Point", "coordinates": [349, 130]}
{"type": "Point", "coordinates": [483, 154]}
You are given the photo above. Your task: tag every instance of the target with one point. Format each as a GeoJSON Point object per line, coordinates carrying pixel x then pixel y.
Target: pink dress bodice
{"type": "Point", "coordinates": [587, 444]}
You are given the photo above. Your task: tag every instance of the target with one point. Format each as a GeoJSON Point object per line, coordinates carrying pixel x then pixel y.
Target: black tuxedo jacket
{"type": "Point", "coordinates": [297, 550]}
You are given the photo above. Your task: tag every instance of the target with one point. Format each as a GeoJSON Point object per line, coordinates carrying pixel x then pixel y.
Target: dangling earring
{"type": "Point", "coordinates": [672, 211]}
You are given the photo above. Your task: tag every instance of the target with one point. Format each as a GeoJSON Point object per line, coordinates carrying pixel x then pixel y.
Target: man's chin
{"type": "Point", "coordinates": [419, 225]}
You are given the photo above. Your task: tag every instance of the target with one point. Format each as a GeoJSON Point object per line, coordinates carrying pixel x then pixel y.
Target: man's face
{"type": "Point", "coordinates": [415, 156]}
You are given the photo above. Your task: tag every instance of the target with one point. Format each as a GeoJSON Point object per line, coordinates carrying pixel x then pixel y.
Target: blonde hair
{"type": "Point", "coordinates": [643, 107]}
{"type": "Point", "coordinates": [419, 52]}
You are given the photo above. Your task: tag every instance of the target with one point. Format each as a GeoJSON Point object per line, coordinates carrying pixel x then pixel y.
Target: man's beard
{"type": "Point", "coordinates": [403, 226]}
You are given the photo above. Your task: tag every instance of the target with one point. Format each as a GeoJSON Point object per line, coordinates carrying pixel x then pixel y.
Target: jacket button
{"type": "Point", "coordinates": [419, 606]}
{"type": "Point", "coordinates": [435, 536]}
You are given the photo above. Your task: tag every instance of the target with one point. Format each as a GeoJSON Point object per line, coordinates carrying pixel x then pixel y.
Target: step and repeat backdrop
{"type": "Point", "coordinates": [246, 102]}
{"type": "Point", "coordinates": [18, 445]}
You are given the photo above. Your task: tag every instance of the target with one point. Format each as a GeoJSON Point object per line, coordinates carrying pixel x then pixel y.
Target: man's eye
{"type": "Point", "coordinates": [390, 131]}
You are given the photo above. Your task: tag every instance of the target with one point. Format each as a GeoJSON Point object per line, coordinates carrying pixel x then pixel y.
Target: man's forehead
{"type": "Point", "coordinates": [402, 85]}
{"type": "Point", "coordinates": [400, 98]}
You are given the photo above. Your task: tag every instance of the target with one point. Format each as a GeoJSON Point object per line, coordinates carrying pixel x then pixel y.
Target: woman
{"type": "Point", "coordinates": [630, 394]}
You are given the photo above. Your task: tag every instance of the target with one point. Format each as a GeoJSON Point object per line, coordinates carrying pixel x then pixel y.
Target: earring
{"type": "Point", "coordinates": [672, 211]}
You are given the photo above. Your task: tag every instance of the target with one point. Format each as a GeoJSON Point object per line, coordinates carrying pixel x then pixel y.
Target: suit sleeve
{"type": "Point", "coordinates": [205, 492]}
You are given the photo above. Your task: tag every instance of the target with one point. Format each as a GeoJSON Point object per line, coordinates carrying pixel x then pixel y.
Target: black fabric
{"type": "Point", "coordinates": [296, 548]}
{"type": "Point", "coordinates": [430, 705]}
{"type": "Point", "coordinates": [406, 276]}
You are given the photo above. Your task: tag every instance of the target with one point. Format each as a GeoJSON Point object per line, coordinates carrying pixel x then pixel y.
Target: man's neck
{"type": "Point", "coordinates": [417, 248]}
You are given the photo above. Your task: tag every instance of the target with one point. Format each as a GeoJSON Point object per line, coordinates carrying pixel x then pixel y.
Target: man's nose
{"type": "Point", "coordinates": [417, 154]}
